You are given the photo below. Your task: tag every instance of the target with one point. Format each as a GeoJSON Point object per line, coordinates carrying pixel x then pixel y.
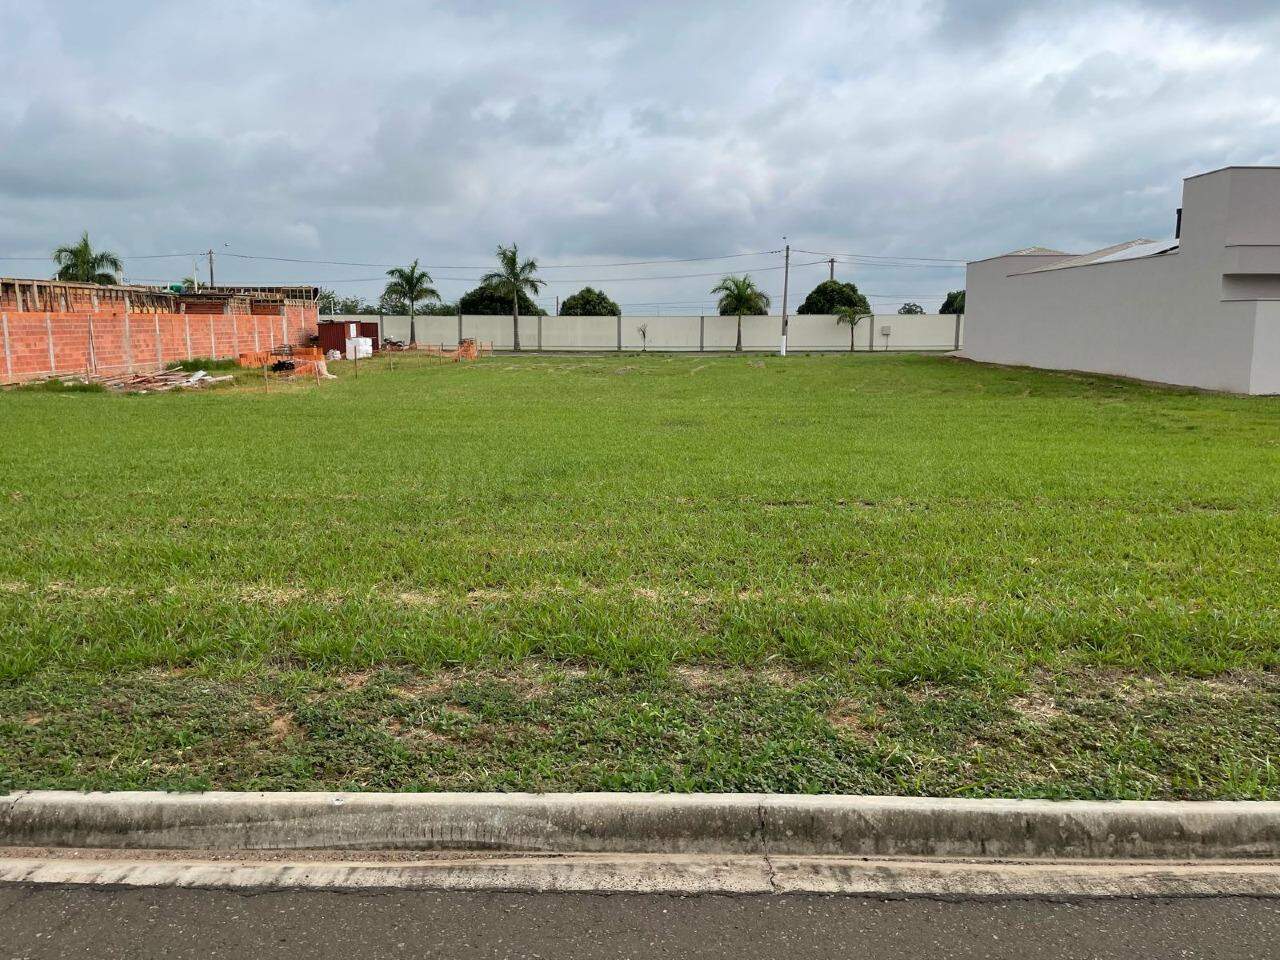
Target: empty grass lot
{"type": "Point", "coordinates": [885, 574]}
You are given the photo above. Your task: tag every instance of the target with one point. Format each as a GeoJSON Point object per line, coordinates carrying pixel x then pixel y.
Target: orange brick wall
{"type": "Point", "coordinates": [105, 343]}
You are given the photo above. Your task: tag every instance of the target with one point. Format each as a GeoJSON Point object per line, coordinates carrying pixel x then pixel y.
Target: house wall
{"type": "Point", "coordinates": [686, 333]}
{"type": "Point", "coordinates": [1265, 376]}
{"type": "Point", "coordinates": [1176, 318]}
{"type": "Point", "coordinates": [108, 343]}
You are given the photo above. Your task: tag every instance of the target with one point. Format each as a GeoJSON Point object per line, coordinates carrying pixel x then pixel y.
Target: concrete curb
{"type": "Point", "coordinates": [643, 823]}
{"type": "Point", "coordinates": [684, 874]}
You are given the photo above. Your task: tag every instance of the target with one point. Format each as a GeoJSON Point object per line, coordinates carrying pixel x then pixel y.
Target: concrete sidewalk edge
{"type": "Point", "coordinates": [646, 823]}
{"type": "Point", "coordinates": [680, 874]}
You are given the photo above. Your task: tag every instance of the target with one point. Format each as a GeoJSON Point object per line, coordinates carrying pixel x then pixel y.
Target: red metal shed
{"type": "Point", "coordinates": [333, 334]}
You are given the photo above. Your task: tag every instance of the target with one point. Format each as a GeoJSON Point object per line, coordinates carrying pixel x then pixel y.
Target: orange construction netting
{"type": "Point", "coordinates": [468, 349]}
{"type": "Point", "coordinates": [264, 358]}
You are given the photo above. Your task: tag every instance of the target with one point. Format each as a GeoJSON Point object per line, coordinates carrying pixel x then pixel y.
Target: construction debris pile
{"type": "Point", "coordinates": [162, 381]}
{"type": "Point", "coordinates": [159, 382]}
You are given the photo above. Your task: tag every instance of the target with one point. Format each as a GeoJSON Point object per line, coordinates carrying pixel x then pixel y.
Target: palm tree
{"type": "Point", "coordinates": [410, 285]}
{"type": "Point", "coordinates": [79, 264]}
{"type": "Point", "coordinates": [740, 295]}
{"type": "Point", "coordinates": [851, 316]}
{"type": "Point", "coordinates": [512, 279]}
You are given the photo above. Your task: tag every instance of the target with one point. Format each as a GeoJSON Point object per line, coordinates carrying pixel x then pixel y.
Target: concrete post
{"type": "Point", "coordinates": [48, 332]}
{"type": "Point", "coordinates": [619, 333]}
{"type": "Point", "coordinates": [459, 329]}
{"type": "Point", "coordinates": [213, 343]}
{"type": "Point", "coordinates": [17, 293]}
{"type": "Point", "coordinates": [186, 324]}
{"type": "Point", "coordinates": [8, 358]}
{"type": "Point", "coordinates": [539, 333]}
{"type": "Point", "coordinates": [93, 354]}
{"type": "Point", "coordinates": [958, 316]}
{"type": "Point", "coordinates": [128, 338]}
{"type": "Point", "coordinates": [702, 334]}
{"type": "Point", "coordinates": [257, 346]}
{"type": "Point", "coordinates": [159, 345]}
{"type": "Point", "coordinates": [235, 336]}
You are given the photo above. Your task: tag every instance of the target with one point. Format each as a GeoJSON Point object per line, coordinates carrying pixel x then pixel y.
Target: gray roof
{"type": "Point", "coordinates": [1036, 252]}
{"type": "Point", "coordinates": [1129, 250]}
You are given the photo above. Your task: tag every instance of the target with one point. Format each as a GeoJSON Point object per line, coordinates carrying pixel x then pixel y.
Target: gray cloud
{"type": "Point", "coordinates": [381, 131]}
{"type": "Point", "coordinates": [993, 20]}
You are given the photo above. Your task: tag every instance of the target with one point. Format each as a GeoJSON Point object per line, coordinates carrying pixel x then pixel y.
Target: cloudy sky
{"type": "Point", "coordinates": [594, 132]}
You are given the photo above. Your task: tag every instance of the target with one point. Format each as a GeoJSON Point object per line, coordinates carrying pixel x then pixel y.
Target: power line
{"type": "Point", "coordinates": [882, 256]}
{"type": "Point", "coordinates": [140, 256]}
{"type": "Point", "coordinates": [679, 276]}
{"type": "Point", "coordinates": [901, 266]}
{"type": "Point", "coordinates": [552, 266]}
{"type": "Point", "coordinates": [665, 276]}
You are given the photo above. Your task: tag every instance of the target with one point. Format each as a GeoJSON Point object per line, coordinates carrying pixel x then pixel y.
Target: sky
{"type": "Point", "coordinates": [596, 133]}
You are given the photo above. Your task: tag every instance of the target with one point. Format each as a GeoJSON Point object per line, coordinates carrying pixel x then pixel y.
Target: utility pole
{"type": "Point", "coordinates": [832, 264]}
{"type": "Point", "coordinates": [786, 278]}
{"type": "Point", "coordinates": [211, 283]}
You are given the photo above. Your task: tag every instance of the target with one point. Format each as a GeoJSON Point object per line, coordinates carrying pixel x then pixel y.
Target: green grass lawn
{"type": "Point", "coordinates": [887, 574]}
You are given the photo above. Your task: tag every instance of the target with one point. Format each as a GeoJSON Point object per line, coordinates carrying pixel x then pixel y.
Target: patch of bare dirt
{"type": "Point", "coordinates": [854, 721]}
{"type": "Point", "coordinates": [1037, 707]}
{"type": "Point", "coordinates": [281, 723]}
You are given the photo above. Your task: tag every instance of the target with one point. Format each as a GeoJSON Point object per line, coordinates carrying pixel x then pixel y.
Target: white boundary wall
{"type": "Point", "coordinates": [806, 332]}
{"type": "Point", "coordinates": [1205, 316]}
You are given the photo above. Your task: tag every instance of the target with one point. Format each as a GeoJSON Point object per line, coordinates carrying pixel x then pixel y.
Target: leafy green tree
{"type": "Point", "coordinates": [852, 316]}
{"type": "Point", "coordinates": [512, 278]}
{"type": "Point", "coordinates": [326, 301]}
{"type": "Point", "coordinates": [954, 302]}
{"type": "Point", "coordinates": [352, 306]}
{"type": "Point", "coordinates": [441, 309]}
{"type": "Point", "coordinates": [911, 308]}
{"type": "Point", "coordinates": [411, 285]}
{"type": "Point", "coordinates": [589, 302]}
{"type": "Point", "coordinates": [80, 263]}
{"type": "Point", "coordinates": [486, 301]}
{"type": "Point", "coordinates": [391, 305]}
{"type": "Point", "coordinates": [830, 295]}
{"type": "Point", "coordinates": [740, 295]}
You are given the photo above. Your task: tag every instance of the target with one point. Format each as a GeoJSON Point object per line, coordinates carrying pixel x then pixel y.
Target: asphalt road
{"type": "Point", "coordinates": [63, 922]}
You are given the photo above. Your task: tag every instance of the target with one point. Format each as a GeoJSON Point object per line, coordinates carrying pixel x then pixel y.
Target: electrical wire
{"type": "Point", "coordinates": [665, 276]}
{"type": "Point", "coordinates": [552, 266]}
{"type": "Point", "coordinates": [900, 266]}
{"type": "Point", "coordinates": [881, 256]}
{"type": "Point", "coordinates": [140, 256]}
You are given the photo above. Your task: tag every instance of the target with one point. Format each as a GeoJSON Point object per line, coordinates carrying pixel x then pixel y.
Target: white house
{"type": "Point", "coordinates": [1201, 308]}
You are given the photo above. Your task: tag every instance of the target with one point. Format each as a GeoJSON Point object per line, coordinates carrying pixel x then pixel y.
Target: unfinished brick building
{"type": "Point", "coordinates": [48, 327]}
